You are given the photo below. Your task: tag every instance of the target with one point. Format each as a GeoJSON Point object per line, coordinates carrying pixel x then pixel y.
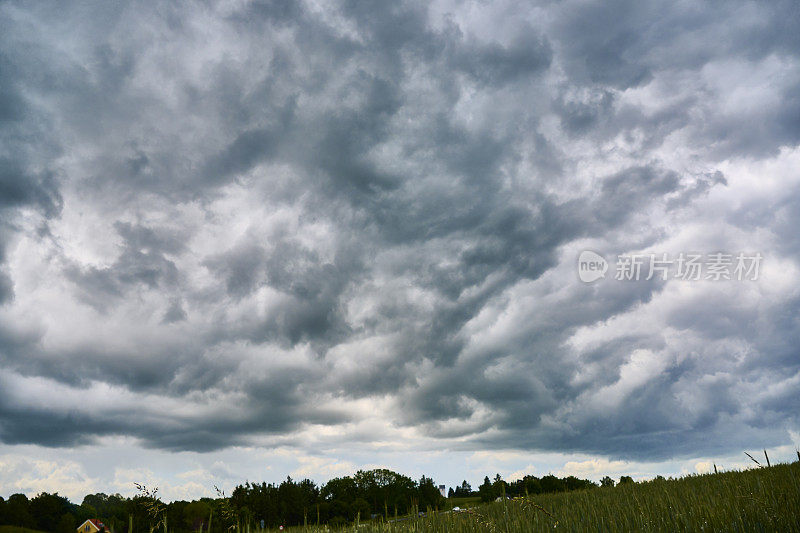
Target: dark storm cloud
{"type": "Point", "coordinates": [141, 262]}
{"type": "Point", "coordinates": [579, 115]}
{"type": "Point", "coordinates": [19, 188]}
{"type": "Point", "coordinates": [175, 313]}
{"type": "Point", "coordinates": [297, 206]}
{"type": "Point", "coordinates": [522, 376]}
{"type": "Point", "coordinates": [242, 268]}
{"type": "Point", "coordinates": [273, 412]}
{"type": "Point", "coordinates": [494, 64]}
{"type": "Point", "coordinates": [620, 44]}
{"type": "Point", "coordinates": [22, 184]}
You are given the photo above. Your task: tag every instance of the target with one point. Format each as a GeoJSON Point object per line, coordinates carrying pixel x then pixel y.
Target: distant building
{"type": "Point", "coordinates": [92, 525]}
{"type": "Point", "coordinates": [443, 491]}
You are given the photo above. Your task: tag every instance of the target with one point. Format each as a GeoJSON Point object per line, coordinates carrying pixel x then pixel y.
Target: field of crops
{"type": "Point", "coordinates": [762, 499]}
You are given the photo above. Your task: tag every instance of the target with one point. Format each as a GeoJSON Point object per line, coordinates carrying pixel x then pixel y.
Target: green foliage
{"type": "Point", "coordinates": [491, 490]}
{"type": "Point", "coordinates": [463, 503]}
{"type": "Point", "coordinates": [195, 515]}
{"type": "Point", "coordinates": [18, 512]}
{"type": "Point", "coordinates": [551, 483]}
{"type": "Point", "coordinates": [154, 509]}
{"type": "Point", "coordinates": [463, 491]}
{"type": "Point", "coordinates": [486, 490]}
{"type": "Point", "coordinates": [48, 509]}
{"type": "Point", "coordinates": [761, 499]}
{"type": "Point", "coordinates": [66, 524]}
{"type": "Point", "coordinates": [15, 529]}
{"type": "Point", "coordinates": [360, 509]}
{"type": "Point", "coordinates": [113, 509]}
{"type": "Point", "coordinates": [368, 493]}
{"type": "Point", "coordinates": [429, 495]}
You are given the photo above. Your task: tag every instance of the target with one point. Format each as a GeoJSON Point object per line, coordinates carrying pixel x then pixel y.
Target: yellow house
{"type": "Point", "coordinates": [92, 525]}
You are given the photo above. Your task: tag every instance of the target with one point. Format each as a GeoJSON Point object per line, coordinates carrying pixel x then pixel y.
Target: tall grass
{"type": "Point", "coordinates": [762, 499]}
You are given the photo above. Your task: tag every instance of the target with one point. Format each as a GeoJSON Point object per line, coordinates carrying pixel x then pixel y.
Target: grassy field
{"type": "Point", "coordinates": [469, 501]}
{"type": "Point", "coordinates": [15, 529]}
{"type": "Point", "coordinates": [762, 499]}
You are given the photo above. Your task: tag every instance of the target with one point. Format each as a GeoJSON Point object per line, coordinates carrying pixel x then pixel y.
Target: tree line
{"type": "Point", "coordinates": [498, 488]}
{"type": "Point", "coordinates": [378, 494]}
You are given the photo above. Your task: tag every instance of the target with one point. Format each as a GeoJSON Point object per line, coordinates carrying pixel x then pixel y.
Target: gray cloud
{"type": "Point", "coordinates": [281, 210]}
{"type": "Point", "coordinates": [141, 262]}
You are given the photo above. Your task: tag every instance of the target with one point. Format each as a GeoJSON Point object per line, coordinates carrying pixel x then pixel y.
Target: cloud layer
{"type": "Point", "coordinates": [301, 224]}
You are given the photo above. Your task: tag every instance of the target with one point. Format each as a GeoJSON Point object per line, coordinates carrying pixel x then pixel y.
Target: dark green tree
{"type": "Point", "coordinates": [339, 511]}
{"type": "Point", "coordinates": [499, 487]}
{"type": "Point", "coordinates": [48, 509]}
{"type": "Point", "coordinates": [18, 511]}
{"type": "Point", "coordinates": [532, 485]}
{"type": "Point", "coordinates": [486, 491]}
{"type": "Point", "coordinates": [429, 495]}
{"type": "Point", "coordinates": [66, 524]}
{"type": "Point", "coordinates": [551, 483]}
{"type": "Point", "coordinates": [573, 483]}
{"type": "Point", "coordinates": [360, 509]}
{"type": "Point", "coordinates": [340, 488]}
{"type": "Point", "coordinates": [464, 490]}
{"type": "Point", "coordinates": [195, 515]}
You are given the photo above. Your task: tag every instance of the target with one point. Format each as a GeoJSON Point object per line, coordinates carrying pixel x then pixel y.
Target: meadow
{"type": "Point", "coordinates": [764, 499]}
{"type": "Point", "coordinates": [760, 499]}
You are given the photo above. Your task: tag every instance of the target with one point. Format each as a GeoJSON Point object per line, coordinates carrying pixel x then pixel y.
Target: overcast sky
{"type": "Point", "coordinates": [241, 240]}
